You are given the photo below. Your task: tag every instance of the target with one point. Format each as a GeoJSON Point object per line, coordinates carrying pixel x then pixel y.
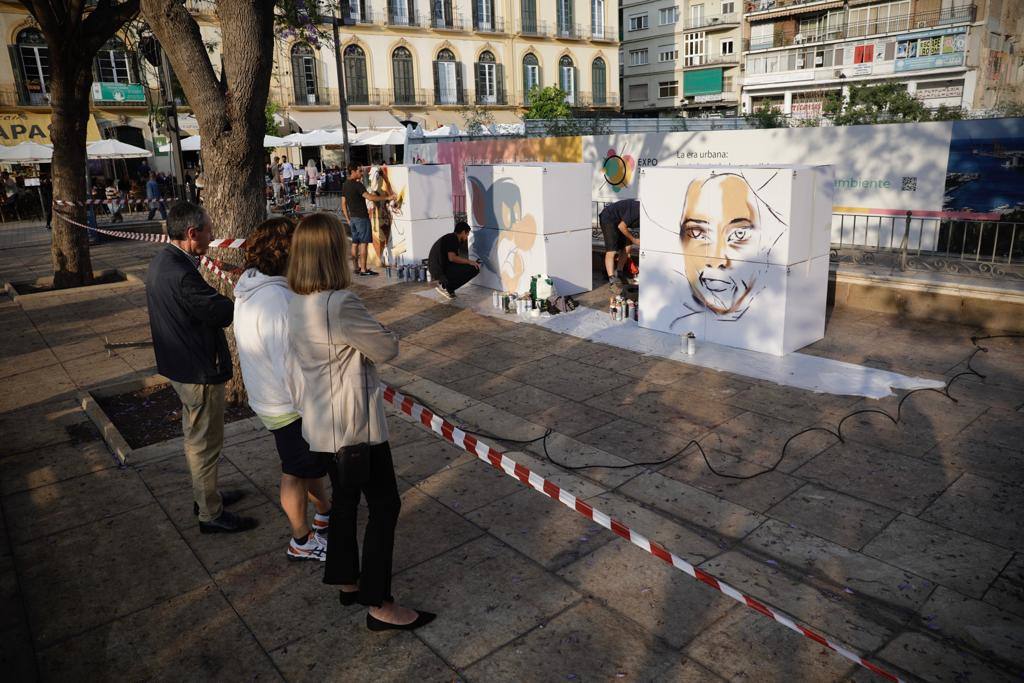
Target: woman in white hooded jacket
{"type": "Point", "coordinates": [274, 387]}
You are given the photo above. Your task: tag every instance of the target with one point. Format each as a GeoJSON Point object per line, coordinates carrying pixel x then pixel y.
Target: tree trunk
{"type": "Point", "coordinates": [70, 89]}
{"type": "Point", "coordinates": [230, 112]}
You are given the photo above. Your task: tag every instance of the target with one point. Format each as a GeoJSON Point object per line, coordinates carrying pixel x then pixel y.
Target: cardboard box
{"type": "Point", "coordinates": [545, 198]}
{"type": "Point", "coordinates": [510, 258]}
{"type": "Point", "coordinates": [424, 191]}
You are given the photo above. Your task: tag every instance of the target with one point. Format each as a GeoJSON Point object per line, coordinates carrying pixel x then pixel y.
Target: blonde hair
{"type": "Point", "coordinates": [318, 261]}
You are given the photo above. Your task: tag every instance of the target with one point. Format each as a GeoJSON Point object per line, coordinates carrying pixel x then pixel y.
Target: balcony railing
{"type": "Point", "coordinates": [710, 60]}
{"type": "Point", "coordinates": [768, 5]}
{"type": "Point", "coordinates": [861, 29]}
{"type": "Point", "coordinates": [587, 99]}
{"type": "Point", "coordinates": [534, 29]}
{"type": "Point", "coordinates": [407, 98]}
{"type": "Point", "coordinates": [569, 31]}
{"type": "Point", "coordinates": [495, 25]}
{"type": "Point", "coordinates": [713, 20]}
{"type": "Point", "coordinates": [406, 20]}
{"type": "Point", "coordinates": [499, 100]}
{"type": "Point", "coordinates": [604, 34]}
{"type": "Point", "coordinates": [365, 18]}
{"type": "Point", "coordinates": [313, 99]}
{"type": "Point", "coordinates": [370, 97]}
{"type": "Point", "coordinates": [447, 23]}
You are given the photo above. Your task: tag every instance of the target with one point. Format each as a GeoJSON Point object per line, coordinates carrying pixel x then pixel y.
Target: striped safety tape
{"type": "Point", "coordinates": [489, 455]}
{"type": "Point", "coordinates": [221, 243]}
{"type": "Point", "coordinates": [110, 202]}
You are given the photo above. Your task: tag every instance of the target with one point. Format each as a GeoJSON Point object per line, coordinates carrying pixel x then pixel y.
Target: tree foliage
{"type": "Point", "coordinates": [868, 104]}
{"type": "Point", "coordinates": [476, 119]}
{"type": "Point", "coordinates": [767, 116]}
{"type": "Point", "coordinates": [548, 103]}
{"type": "Point", "coordinates": [269, 112]}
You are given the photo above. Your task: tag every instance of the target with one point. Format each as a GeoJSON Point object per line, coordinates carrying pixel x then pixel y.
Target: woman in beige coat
{"type": "Point", "coordinates": [337, 344]}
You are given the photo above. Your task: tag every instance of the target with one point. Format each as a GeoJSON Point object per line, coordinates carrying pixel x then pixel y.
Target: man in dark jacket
{"type": "Point", "coordinates": [187, 318]}
{"type": "Point", "coordinates": [448, 264]}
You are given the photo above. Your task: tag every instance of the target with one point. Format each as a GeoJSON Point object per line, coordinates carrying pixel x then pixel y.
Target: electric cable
{"type": "Point", "coordinates": [837, 432]}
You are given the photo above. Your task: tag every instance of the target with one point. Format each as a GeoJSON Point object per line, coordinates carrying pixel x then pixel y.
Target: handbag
{"type": "Point", "coordinates": [352, 462]}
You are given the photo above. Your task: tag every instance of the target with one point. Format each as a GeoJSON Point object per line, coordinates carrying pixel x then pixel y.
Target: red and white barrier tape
{"type": "Point", "coordinates": [489, 455]}
{"type": "Point", "coordinates": [110, 202]}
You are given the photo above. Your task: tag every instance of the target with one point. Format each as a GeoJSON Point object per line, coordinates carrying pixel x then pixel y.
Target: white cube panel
{"type": "Point", "coordinates": [412, 240]}
{"type": "Point", "coordinates": [510, 258]}
{"type": "Point", "coordinates": [541, 198]}
{"type": "Point", "coordinates": [424, 191]}
{"type": "Point", "coordinates": [762, 307]}
{"type": "Point", "coordinates": [779, 215]}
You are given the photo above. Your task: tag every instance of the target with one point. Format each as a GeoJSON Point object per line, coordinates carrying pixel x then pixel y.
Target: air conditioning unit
{"type": "Point", "coordinates": [838, 73]}
{"type": "Point", "coordinates": [715, 20]}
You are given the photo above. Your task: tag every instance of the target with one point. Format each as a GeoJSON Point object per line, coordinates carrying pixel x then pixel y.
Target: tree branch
{"type": "Point", "coordinates": [105, 21]}
{"type": "Point", "coordinates": [44, 15]}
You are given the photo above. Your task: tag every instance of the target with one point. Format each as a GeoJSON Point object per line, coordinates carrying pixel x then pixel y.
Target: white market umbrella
{"type": "Point", "coordinates": [387, 137]}
{"type": "Point", "coordinates": [115, 149]}
{"type": "Point", "coordinates": [194, 143]}
{"type": "Point", "coordinates": [26, 153]}
{"type": "Point", "coordinates": [275, 141]}
{"type": "Point", "coordinates": [316, 138]}
{"type": "Point", "coordinates": [443, 132]}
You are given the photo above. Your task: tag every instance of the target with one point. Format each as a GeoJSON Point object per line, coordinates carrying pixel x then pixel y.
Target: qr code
{"type": "Point", "coordinates": [909, 184]}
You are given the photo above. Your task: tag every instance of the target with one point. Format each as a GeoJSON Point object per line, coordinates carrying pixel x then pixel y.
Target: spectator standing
{"type": "Point", "coordinates": [144, 171]}
{"type": "Point", "coordinates": [187, 318]}
{"type": "Point", "coordinates": [273, 383]}
{"type": "Point", "coordinates": [275, 177]}
{"type": "Point", "coordinates": [154, 198]}
{"type": "Point", "coordinates": [338, 345]}
{"type": "Point", "coordinates": [287, 175]}
{"type": "Point", "coordinates": [200, 184]}
{"type": "Point", "coordinates": [113, 202]}
{"type": "Point", "coordinates": [124, 188]}
{"type": "Point", "coordinates": [353, 205]}
{"type": "Point", "coordinates": [46, 190]}
{"type": "Point", "coordinates": [312, 176]}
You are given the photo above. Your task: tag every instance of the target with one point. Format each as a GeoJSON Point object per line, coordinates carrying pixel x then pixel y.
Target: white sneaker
{"type": "Point", "coordinates": [321, 523]}
{"type": "Point", "coordinates": [312, 549]}
{"type": "Point", "coordinates": [444, 292]}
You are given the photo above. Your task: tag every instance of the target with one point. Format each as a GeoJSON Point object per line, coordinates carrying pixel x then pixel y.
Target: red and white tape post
{"type": "Point", "coordinates": [489, 455]}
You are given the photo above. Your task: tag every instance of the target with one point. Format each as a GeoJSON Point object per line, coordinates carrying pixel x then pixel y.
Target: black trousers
{"type": "Point", "coordinates": [384, 503]}
{"type": "Point", "coordinates": [455, 275]}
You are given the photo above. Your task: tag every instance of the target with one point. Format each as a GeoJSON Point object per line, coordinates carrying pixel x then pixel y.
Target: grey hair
{"type": "Point", "coordinates": [182, 216]}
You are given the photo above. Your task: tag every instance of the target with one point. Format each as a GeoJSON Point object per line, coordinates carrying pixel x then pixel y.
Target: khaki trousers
{"type": "Point", "coordinates": [202, 420]}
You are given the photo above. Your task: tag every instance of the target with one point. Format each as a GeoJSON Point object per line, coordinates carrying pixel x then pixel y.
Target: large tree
{"type": "Point", "coordinates": [74, 30]}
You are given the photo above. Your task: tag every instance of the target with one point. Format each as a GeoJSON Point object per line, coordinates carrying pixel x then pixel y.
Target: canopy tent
{"type": "Point", "coordinates": [443, 132]}
{"type": "Point", "coordinates": [317, 138]}
{"type": "Point", "coordinates": [387, 137]}
{"type": "Point", "coordinates": [194, 143]}
{"type": "Point", "coordinates": [26, 153]}
{"type": "Point", "coordinates": [115, 149]}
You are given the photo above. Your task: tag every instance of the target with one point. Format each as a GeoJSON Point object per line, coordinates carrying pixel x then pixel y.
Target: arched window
{"type": "Point", "coordinates": [357, 89]}
{"type": "Point", "coordinates": [448, 79]}
{"type": "Point", "coordinates": [531, 75]}
{"type": "Point", "coordinates": [34, 68]}
{"type": "Point", "coordinates": [567, 78]}
{"type": "Point", "coordinates": [401, 66]}
{"type": "Point", "coordinates": [599, 81]}
{"type": "Point", "coordinates": [489, 80]}
{"type": "Point", "coordinates": [304, 74]}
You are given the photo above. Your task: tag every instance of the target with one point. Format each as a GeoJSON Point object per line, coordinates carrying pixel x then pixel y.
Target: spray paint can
{"type": "Point", "coordinates": [495, 299]}
{"type": "Point", "coordinates": [611, 307]}
{"type": "Point", "coordinates": [387, 271]}
{"type": "Point", "coordinates": [691, 343]}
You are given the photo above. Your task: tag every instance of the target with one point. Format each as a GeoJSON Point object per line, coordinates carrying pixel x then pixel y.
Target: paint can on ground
{"type": "Point", "coordinates": [691, 343]}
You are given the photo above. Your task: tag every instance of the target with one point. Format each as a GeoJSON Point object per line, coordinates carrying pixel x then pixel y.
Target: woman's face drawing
{"type": "Point", "coordinates": [721, 241]}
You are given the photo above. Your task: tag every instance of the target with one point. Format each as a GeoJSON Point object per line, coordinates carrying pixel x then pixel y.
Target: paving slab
{"type": "Point", "coordinates": [346, 651]}
{"type": "Point", "coordinates": [763, 489]}
{"type": "Point", "coordinates": [490, 420]}
{"type": "Point", "coordinates": [217, 554]}
{"type": "Point", "coordinates": [1007, 591]}
{"type": "Point", "coordinates": [982, 508]}
{"type": "Point", "coordinates": [850, 572]}
{"type": "Point", "coordinates": [662, 599]}
{"type": "Point", "coordinates": [484, 385]}
{"type": "Point", "coordinates": [634, 441]}
{"type": "Point", "coordinates": [787, 403]}
{"type": "Point", "coordinates": [968, 454]}
{"type": "Point", "coordinates": [760, 440]}
{"type": "Point", "coordinates": [437, 397]}
{"type": "Point", "coordinates": [402, 430]}
{"type": "Point", "coordinates": [573, 453]}
{"type": "Point", "coordinates": [667, 409]}
{"type": "Point", "coordinates": [469, 486]}
{"type": "Point", "coordinates": [587, 643]}
{"type": "Point", "coordinates": [842, 519]}
{"type": "Point", "coordinates": [35, 386]}
{"type": "Point", "coordinates": [835, 614]}
{"type": "Point", "coordinates": [394, 376]}
{"type": "Point", "coordinates": [420, 459]}
{"type": "Point", "coordinates": [934, 660]}
{"type": "Point", "coordinates": [104, 570]}
{"type": "Point", "coordinates": [691, 506]}
{"type": "Point", "coordinates": [568, 378]}
{"type": "Point", "coordinates": [25, 359]}
{"type": "Point", "coordinates": [550, 410]}
{"type": "Point", "coordinates": [66, 504]}
{"type": "Point", "coordinates": [981, 627]}
{"type": "Point", "coordinates": [745, 646]}
{"type": "Point", "coordinates": [172, 474]}
{"type": "Point", "coordinates": [540, 528]}
{"type": "Point", "coordinates": [610, 358]}
{"type": "Point", "coordinates": [883, 477]}
{"type": "Point", "coordinates": [11, 612]}
{"type": "Point", "coordinates": [949, 558]}
{"type": "Point", "coordinates": [194, 636]}
{"type": "Point", "coordinates": [52, 464]}
{"type": "Point", "coordinates": [657, 370]}
{"type": "Point", "coordinates": [474, 619]}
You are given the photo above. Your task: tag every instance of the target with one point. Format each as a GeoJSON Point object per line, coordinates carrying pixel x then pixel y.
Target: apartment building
{"type": "Point", "coordinates": [958, 53]}
{"type": "Point", "coordinates": [403, 60]}
{"type": "Point", "coordinates": [681, 57]}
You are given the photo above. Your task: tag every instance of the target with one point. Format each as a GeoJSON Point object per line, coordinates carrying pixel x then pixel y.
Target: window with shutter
{"type": "Point", "coordinates": [597, 18]}
{"type": "Point", "coordinates": [445, 86]}
{"type": "Point", "coordinates": [486, 79]}
{"type": "Point", "coordinates": [567, 78]}
{"type": "Point", "coordinates": [529, 16]}
{"type": "Point", "coordinates": [565, 18]}
{"type": "Point", "coordinates": [304, 74]}
{"type": "Point", "coordinates": [531, 75]}
{"type": "Point", "coordinates": [357, 89]}
{"type": "Point", "coordinates": [598, 78]}
{"type": "Point", "coordinates": [34, 56]}
{"type": "Point", "coordinates": [401, 66]}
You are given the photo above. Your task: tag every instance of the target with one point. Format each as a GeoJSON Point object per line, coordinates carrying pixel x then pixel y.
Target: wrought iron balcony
{"type": "Point", "coordinates": [533, 29]}
{"type": "Point", "coordinates": [604, 34]}
{"type": "Point", "coordinates": [494, 25]}
{"type": "Point", "coordinates": [407, 98]}
{"type": "Point", "coordinates": [447, 23]}
{"type": "Point", "coordinates": [566, 31]}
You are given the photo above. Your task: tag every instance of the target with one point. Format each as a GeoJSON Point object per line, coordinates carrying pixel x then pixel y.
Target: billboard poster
{"type": "Point", "coordinates": [931, 49]}
{"type": "Point", "coordinates": [985, 170]}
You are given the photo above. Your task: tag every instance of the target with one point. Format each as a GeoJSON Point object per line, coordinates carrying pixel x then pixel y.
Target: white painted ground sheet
{"type": "Point", "coordinates": [797, 370]}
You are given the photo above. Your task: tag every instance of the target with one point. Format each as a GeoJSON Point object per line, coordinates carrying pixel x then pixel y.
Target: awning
{"type": "Point", "coordinates": [315, 120]}
{"type": "Point", "coordinates": [23, 126]}
{"type": "Point", "coordinates": [374, 118]}
{"type": "Point", "coordinates": [799, 8]}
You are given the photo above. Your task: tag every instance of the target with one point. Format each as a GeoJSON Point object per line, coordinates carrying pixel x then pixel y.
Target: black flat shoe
{"type": "Point", "coordinates": [226, 498]}
{"type": "Point", "coordinates": [422, 619]}
{"type": "Point", "coordinates": [347, 598]}
{"type": "Point", "coordinates": [228, 523]}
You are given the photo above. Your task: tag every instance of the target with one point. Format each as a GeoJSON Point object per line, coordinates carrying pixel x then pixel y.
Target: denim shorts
{"type": "Point", "coordinates": [360, 229]}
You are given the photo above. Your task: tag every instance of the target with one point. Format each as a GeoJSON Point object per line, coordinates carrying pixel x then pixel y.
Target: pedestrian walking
{"type": "Point", "coordinates": [275, 177]}
{"type": "Point", "coordinates": [312, 176]}
{"type": "Point", "coordinates": [187, 318]}
{"type": "Point", "coordinates": [154, 198]}
{"type": "Point", "coordinates": [338, 346]}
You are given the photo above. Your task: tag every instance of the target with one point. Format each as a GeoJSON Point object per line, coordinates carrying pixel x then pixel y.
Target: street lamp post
{"type": "Point", "coordinates": [342, 104]}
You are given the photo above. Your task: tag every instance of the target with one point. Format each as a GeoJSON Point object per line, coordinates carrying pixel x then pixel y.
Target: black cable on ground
{"type": "Point", "coordinates": [838, 432]}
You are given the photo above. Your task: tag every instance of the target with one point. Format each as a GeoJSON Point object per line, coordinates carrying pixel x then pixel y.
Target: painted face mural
{"type": "Point", "coordinates": [726, 231]}
{"type": "Point", "coordinates": [504, 249]}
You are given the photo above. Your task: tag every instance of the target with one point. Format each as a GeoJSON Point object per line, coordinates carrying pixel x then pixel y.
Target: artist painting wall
{"type": "Point", "coordinates": [422, 211]}
{"type": "Point", "coordinates": [530, 219]}
{"type": "Point", "coordinates": [736, 255]}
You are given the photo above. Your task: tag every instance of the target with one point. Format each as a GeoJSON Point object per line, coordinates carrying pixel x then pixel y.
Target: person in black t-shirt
{"type": "Point", "coordinates": [353, 205]}
{"type": "Point", "coordinates": [617, 220]}
{"type": "Point", "coordinates": [448, 263]}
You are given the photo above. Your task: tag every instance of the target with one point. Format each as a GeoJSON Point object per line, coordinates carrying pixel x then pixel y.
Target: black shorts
{"type": "Point", "coordinates": [614, 240]}
{"type": "Point", "coordinates": [296, 458]}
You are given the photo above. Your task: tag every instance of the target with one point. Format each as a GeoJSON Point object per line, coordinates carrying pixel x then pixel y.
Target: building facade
{"type": "Point", "coordinates": [681, 57]}
{"type": "Point", "coordinates": [403, 60]}
{"type": "Point", "coordinates": [957, 53]}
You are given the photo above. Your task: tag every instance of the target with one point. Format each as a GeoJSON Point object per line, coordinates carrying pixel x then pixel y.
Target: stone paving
{"type": "Point", "coordinates": [903, 542]}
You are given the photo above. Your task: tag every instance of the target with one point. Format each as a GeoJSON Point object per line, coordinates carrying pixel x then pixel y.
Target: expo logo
{"type": "Point", "coordinates": [618, 170]}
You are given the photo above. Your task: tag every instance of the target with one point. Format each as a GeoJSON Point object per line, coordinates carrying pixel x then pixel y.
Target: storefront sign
{"type": "Point", "coordinates": [118, 92]}
{"type": "Point", "coordinates": [21, 126]}
{"type": "Point", "coordinates": [807, 110]}
{"type": "Point", "coordinates": [708, 98]}
{"type": "Point", "coordinates": [931, 49]}
{"type": "Point", "coordinates": [939, 93]}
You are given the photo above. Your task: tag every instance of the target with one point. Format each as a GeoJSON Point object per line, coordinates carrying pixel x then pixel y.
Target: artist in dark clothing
{"type": "Point", "coordinates": [617, 220]}
{"type": "Point", "coordinates": [187, 318]}
{"type": "Point", "coordinates": [447, 261]}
